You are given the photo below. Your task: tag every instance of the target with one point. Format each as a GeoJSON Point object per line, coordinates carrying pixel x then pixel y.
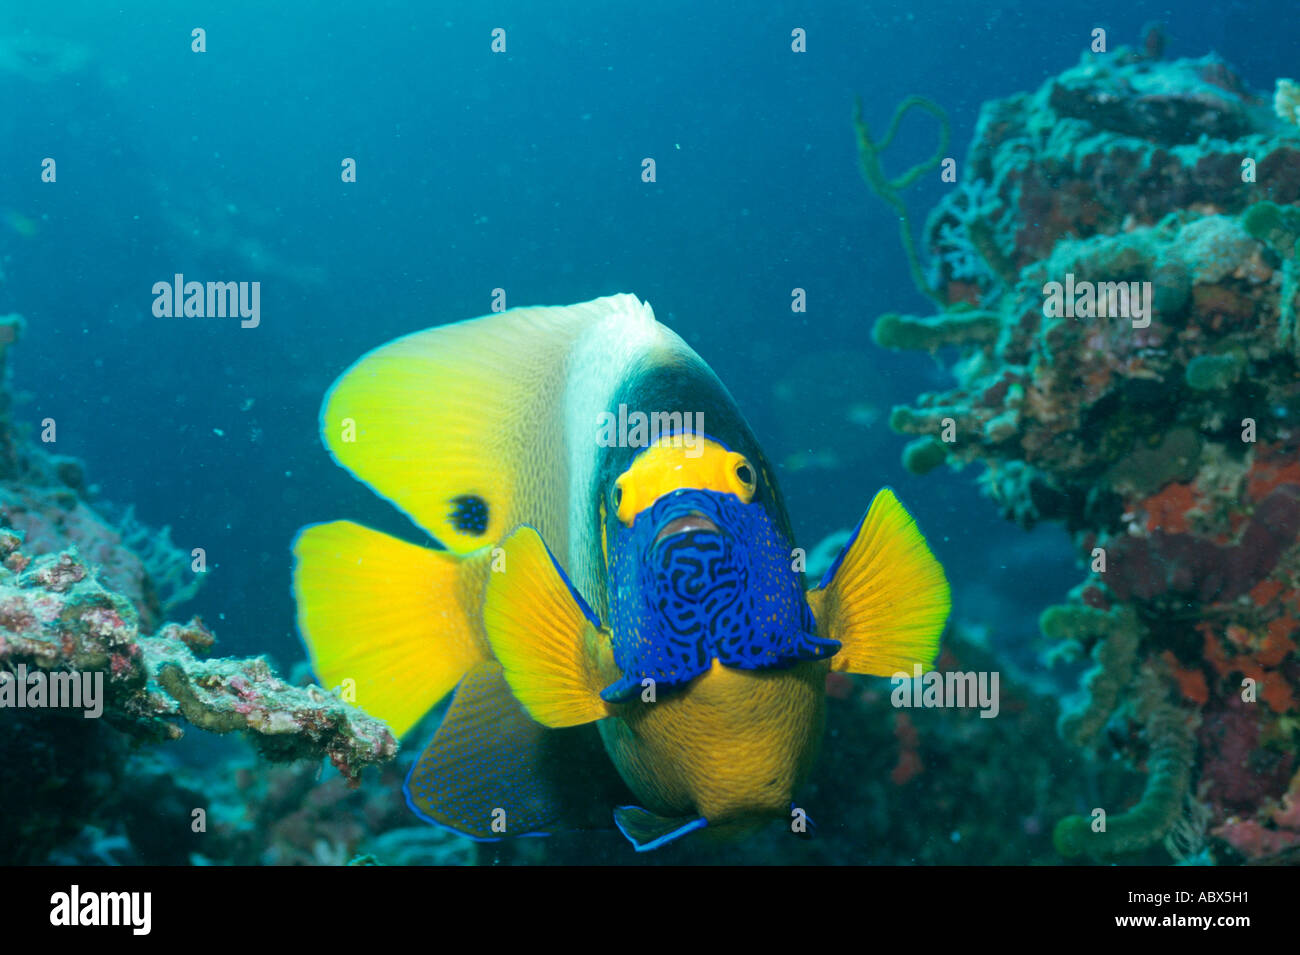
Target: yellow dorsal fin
{"type": "Point", "coordinates": [885, 598]}
{"type": "Point", "coordinates": [460, 426]}
{"type": "Point", "coordinates": [547, 639]}
{"type": "Point", "coordinates": [402, 622]}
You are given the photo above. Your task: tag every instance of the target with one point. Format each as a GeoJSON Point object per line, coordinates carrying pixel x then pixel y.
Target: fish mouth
{"type": "Point", "coordinates": [694, 521]}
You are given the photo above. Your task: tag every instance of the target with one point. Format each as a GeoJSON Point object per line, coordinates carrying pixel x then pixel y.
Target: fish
{"type": "Point", "coordinates": [607, 588]}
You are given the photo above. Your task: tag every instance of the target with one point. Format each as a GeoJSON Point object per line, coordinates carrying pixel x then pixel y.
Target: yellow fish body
{"type": "Point", "coordinates": [618, 573]}
{"type": "Point", "coordinates": [732, 749]}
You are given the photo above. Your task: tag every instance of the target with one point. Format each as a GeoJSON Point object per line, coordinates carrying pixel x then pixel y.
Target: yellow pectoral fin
{"type": "Point", "coordinates": [547, 639]}
{"type": "Point", "coordinates": [400, 621]}
{"type": "Point", "coordinates": [885, 598]}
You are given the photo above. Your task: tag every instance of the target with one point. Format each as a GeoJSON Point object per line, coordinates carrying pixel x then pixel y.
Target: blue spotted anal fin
{"type": "Point", "coordinates": [491, 772]}
{"type": "Point", "coordinates": [647, 831]}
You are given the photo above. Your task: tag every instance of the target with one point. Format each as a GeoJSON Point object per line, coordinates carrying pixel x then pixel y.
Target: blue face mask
{"type": "Point", "coordinates": [701, 576]}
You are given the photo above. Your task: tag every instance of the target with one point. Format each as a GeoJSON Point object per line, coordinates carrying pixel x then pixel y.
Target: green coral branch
{"type": "Point", "coordinates": [1279, 228]}
{"type": "Point", "coordinates": [1172, 741]}
{"type": "Point", "coordinates": [954, 327]}
{"type": "Point", "coordinates": [904, 419]}
{"type": "Point", "coordinates": [1115, 635]}
{"type": "Point", "coordinates": [924, 455]}
{"type": "Point", "coordinates": [887, 188]}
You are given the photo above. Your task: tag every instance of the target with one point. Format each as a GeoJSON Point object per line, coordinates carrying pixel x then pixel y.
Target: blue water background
{"type": "Point", "coordinates": [519, 171]}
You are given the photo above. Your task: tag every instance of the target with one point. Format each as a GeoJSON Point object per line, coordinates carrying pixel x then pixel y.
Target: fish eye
{"type": "Point", "coordinates": [743, 479]}
{"type": "Point", "coordinates": [618, 496]}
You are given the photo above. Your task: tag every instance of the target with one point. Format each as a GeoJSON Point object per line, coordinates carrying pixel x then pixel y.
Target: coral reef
{"type": "Point", "coordinates": [286, 814]}
{"type": "Point", "coordinates": [56, 618]}
{"type": "Point", "coordinates": [1286, 101]}
{"type": "Point", "coordinates": [1157, 422]}
{"type": "Point", "coordinates": [167, 568]}
{"type": "Point", "coordinates": [44, 498]}
{"type": "Point", "coordinates": [1168, 735]}
{"type": "Point", "coordinates": [78, 614]}
{"type": "Point", "coordinates": [1114, 636]}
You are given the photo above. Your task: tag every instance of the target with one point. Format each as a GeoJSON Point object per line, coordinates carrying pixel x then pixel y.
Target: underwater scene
{"type": "Point", "coordinates": [677, 434]}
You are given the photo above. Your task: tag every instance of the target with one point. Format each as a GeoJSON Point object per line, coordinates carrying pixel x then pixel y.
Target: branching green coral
{"type": "Point", "coordinates": [1169, 767]}
{"type": "Point", "coordinates": [1115, 635]}
{"type": "Point", "coordinates": [904, 419]}
{"type": "Point", "coordinates": [955, 327]}
{"type": "Point", "coordinates": [1279, 228]}
{"type": "Point", "coordinates": [924, 455]}
{"type": "Point", "coordinates": [886, 188]}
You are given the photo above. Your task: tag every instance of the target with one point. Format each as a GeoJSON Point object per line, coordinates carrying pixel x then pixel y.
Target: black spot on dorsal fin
{"type": "Point", "coordinates": [469, 514]}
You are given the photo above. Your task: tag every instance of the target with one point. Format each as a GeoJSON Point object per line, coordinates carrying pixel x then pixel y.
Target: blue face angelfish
{"type": "Point", "coordinates": [641, 595]}
{"type": "Point", "coordinates": [706, 576]}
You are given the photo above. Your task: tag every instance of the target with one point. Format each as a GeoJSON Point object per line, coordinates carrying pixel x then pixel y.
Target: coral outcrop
{"type": "Point", "coordinates": [58, 621]}
{"type": "Point", "coordinates": [78, 610]}
{"type": "Point", "coordinates": [1120, 267]}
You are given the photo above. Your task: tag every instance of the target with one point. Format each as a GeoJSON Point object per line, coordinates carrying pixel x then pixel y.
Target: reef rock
{"type": "Point", "coordinates": [1162, 430]}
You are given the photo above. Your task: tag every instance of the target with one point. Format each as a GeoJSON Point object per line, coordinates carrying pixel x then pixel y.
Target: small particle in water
{"type": "Point", "coordinates": [218, 432]}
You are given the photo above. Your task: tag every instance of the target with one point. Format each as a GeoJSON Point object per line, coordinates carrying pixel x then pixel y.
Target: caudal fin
{"type": "Point", "coordinates": [885, 598]}
{"type": "Point", "coordinates": [402, 622]}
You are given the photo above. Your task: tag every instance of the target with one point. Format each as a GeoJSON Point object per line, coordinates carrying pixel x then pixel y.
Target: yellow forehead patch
{"type": "Point", "coordinates": [677, 462]}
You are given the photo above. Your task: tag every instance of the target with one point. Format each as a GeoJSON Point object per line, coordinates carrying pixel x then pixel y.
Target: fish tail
{"type": "Point", "coordinates": [394, 624]}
